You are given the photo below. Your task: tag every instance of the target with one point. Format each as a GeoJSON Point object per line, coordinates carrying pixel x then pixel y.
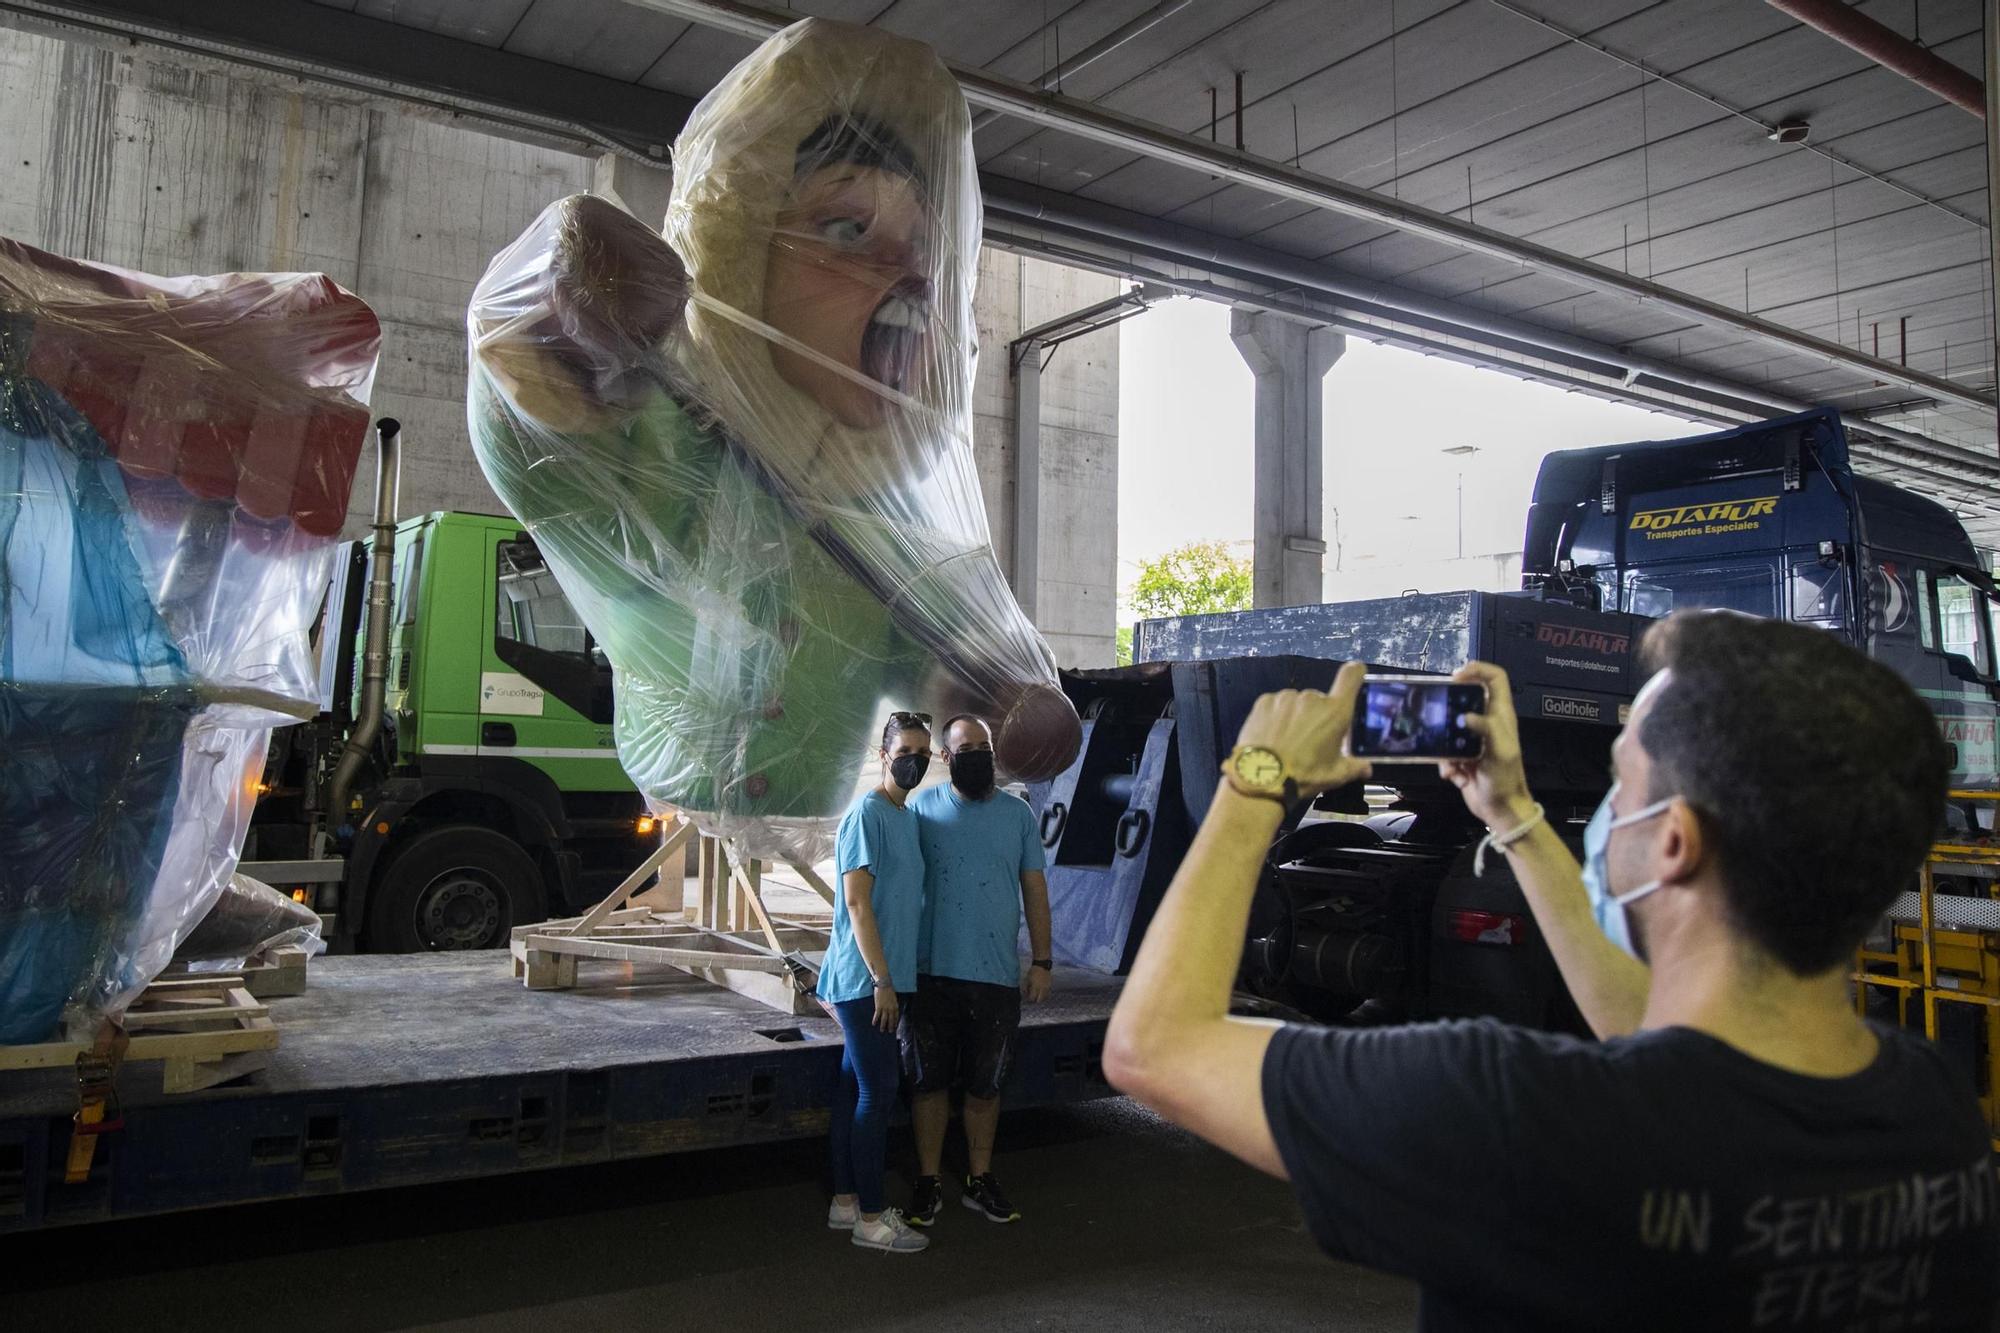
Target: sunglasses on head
{"type": "Point", "coordinates": [908, 720]}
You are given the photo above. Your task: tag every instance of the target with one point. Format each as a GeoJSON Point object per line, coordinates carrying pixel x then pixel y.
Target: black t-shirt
{"type": "Point", "coordinates": [1661, 1181]}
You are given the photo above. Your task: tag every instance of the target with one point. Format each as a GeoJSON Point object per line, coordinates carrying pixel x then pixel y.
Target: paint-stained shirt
{"type": "Point", "coordinates": [1660, 1181]}
{"type": "Point", "coordinates": [877, 837]}
{"type": "Point", "coordinates": [974, 855]}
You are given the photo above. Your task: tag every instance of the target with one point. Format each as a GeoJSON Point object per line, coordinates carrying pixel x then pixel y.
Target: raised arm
{"type": "Point", "coordinates": [1172, 1043]}
{"type": "Point", "coordinates": [1608, 984]}
{"type": "Point", "coordinates": [569, 320]}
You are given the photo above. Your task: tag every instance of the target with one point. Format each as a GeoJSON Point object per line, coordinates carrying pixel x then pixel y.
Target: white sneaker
{"type": "Point", "coordinates": [842, 1216]}
{"type": "Point", "coordinates": [889, 1232]}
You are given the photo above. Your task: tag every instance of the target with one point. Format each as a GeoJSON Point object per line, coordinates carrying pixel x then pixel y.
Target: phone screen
{"type": "Point", "coordinates": [1403, 719]}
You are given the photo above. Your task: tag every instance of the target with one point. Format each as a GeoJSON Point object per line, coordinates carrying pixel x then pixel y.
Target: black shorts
{"type": "Point", "coordinates": [959, 1035]}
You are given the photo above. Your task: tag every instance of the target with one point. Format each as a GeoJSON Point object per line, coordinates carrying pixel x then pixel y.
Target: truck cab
{"type": "Point", "coordinates": [494, 795]}
{"type": "Point", "coordinates": [1770, 520]}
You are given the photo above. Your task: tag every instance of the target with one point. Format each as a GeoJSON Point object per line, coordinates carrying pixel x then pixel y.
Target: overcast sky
{"type": "Point", "coordinates": [1184, 466]}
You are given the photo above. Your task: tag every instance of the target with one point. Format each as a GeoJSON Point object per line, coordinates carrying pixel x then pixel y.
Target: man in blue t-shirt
{"type": "Point", "coordinates": [982, 868]}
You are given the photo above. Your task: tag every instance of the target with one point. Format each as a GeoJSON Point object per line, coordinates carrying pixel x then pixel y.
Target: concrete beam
{"type": "Point", "coordinates": [533, 99]}
{"type": "Point", "coordinates": [1289, 360]}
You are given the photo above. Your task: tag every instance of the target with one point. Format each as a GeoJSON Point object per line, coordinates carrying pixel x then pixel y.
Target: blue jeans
{"type": "Point", "coordinates": [860, 1129]}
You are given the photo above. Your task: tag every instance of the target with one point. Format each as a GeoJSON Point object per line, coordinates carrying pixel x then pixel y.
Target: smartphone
{"type": "Point", "coordinates": [1415, 719]}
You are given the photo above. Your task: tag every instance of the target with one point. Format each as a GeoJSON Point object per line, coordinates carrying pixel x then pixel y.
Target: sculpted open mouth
{"type": "Point", "coordinates": [894, 332]}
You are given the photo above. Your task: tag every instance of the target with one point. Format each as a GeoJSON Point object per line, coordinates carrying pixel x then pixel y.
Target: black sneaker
{"type": "Point", "coordinates": [982, 1194]}
{"type": "Point", "coordinates": [926, 1202]}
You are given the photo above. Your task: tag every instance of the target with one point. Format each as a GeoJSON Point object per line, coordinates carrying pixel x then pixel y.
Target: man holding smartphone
{"type": "Point", "coordinates": [1738, 1149]}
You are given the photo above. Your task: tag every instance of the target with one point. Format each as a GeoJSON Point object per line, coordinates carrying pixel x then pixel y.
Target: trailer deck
{"type": "Point", "coordinates": [403, 1070]}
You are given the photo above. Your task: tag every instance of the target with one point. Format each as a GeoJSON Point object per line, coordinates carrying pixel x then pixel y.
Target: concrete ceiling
{"type": "Point", "coordinates": [1631, 133]}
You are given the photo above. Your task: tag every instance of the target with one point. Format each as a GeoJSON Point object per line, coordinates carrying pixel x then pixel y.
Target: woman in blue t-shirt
{"type": "Point", "coordinates": [871, 961]}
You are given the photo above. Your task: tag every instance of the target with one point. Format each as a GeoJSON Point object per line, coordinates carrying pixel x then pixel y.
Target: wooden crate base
{"type": "Point", "coordinates": [732, 942]}
{"type": "Point", "coordinates": [271, 975]}
{"type": "Point", "coordinates": [203, 1030]}
{"type": "Point", "coordinates": [277, 973]}
{"type": "Point", "coordinates": [546, 956]}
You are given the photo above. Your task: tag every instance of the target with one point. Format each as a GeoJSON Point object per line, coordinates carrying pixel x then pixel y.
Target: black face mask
{"type": "Point", "coordinates": [908, 770]}
{"type": "Point", "coordinates": [972, 772]}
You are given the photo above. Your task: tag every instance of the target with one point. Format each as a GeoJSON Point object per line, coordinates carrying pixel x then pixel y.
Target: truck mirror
{"type": "Point", "coordinates": [1963, 668]}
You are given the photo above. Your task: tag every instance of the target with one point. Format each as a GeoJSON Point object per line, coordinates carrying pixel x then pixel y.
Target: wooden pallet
{"type": "Point", "coordinates": [204, 1031]}
{"type": "Point", "coordinates": [720, 945]}
{"type": "Point", "coordinates": [277, 972]}
{"type": "Point", "coordinates": [270, 975]}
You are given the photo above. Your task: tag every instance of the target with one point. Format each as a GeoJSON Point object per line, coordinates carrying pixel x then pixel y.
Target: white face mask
{"type": "Point", "coordinates": [1606, 906]}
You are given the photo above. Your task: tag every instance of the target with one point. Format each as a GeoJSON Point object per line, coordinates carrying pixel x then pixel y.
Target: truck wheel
{"type": "Point", "coordinates": [457, 887]}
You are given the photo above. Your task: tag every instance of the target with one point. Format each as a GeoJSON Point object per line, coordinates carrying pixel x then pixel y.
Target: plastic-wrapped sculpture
{"type": "Point", "coordinates": [745, 447]}
{"type": "Point", "coordinates": [175, 462]}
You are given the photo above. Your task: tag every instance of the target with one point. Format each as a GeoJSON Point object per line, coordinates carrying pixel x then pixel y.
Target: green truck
{"type": "Point", "coordinates": [487, 792]}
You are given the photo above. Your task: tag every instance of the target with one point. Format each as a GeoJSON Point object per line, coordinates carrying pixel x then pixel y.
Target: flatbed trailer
{"type": "Point", "coordinates": [406, 1070]}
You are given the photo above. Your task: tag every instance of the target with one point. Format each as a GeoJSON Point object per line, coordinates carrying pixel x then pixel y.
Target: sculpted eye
{"type": "Point", "coordinates": [843, 231]}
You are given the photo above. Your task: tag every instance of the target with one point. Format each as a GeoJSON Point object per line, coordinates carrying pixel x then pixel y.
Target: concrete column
{"type": "Point", "coordinates": [1027, 564]}
{"type": "Point", "coordinates": [639, 189]}
{"type": "Point", "coordinates": [1290, 360]}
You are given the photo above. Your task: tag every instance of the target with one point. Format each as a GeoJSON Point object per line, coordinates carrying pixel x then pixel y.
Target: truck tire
{"type": "Point", "coordinates": [456, 887]}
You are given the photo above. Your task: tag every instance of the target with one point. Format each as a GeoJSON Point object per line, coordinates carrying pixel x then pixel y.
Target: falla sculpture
{"type": "Point", "coordinates": [744, 444]}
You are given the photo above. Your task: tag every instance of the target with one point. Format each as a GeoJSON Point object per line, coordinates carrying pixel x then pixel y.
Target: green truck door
{"type": "Point", "coordinates": [544, 688]}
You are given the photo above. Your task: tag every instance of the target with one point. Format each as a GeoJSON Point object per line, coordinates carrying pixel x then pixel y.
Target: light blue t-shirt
{"type": "Point", "coordinates": [877, 837]}
{"type": "Point", "coordinates": [974, 853]}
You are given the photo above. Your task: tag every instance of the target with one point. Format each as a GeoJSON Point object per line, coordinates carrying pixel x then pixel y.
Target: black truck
{"type": "Point", "coordinates": [1369, 908]}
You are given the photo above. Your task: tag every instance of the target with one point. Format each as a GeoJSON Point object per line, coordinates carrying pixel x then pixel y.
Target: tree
{"type": "Point", "coordinates": [1192, 580]}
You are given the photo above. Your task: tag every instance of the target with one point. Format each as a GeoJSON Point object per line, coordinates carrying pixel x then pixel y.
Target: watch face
{"type": "Point", "coordinates": [1260, 768]}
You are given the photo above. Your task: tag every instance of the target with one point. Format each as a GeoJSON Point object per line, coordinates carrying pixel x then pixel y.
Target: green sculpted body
{"type": "Point", "coordinates": [747, 662]}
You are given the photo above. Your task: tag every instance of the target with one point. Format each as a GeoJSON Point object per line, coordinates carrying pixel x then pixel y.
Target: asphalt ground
{"type": "Point", "coordinates": [1129, 1224]}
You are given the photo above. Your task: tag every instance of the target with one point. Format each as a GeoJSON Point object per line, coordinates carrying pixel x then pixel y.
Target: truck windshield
{"type": "Point", "coordinates": [1751, 588]}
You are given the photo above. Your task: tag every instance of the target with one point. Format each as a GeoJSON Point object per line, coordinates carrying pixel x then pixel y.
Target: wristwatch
{"type": "Point", "coordinates": [1253, 770]}
{"type": "Point", "coordinates": [1046, 964]}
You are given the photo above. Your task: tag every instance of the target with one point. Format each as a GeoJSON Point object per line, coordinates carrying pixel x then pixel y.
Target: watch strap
{"type": "Point", "coordinates": [1046, 964]}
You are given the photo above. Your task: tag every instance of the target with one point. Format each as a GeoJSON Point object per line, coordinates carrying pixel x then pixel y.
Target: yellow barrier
{"type": "Point", "coordinates": [1953, 964]}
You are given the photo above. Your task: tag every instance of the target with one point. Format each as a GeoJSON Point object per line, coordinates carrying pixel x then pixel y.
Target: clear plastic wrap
{"type": "Point", "coordinates": [247, 918]}
{"type": "Point", "coordinates": [176, 456]}
{"type": "Point", "coordinates": [746, 447]}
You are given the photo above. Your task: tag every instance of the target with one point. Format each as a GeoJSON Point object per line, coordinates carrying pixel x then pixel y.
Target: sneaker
{"type": "Point", "coordinates": [842, 1216]}
{"type": "Point", "coordinates": [982, 1195]}
{"type": "Point", "coordinates": [890, 1233]}
{"type": "Point", "coordinates": [926, 1201]}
